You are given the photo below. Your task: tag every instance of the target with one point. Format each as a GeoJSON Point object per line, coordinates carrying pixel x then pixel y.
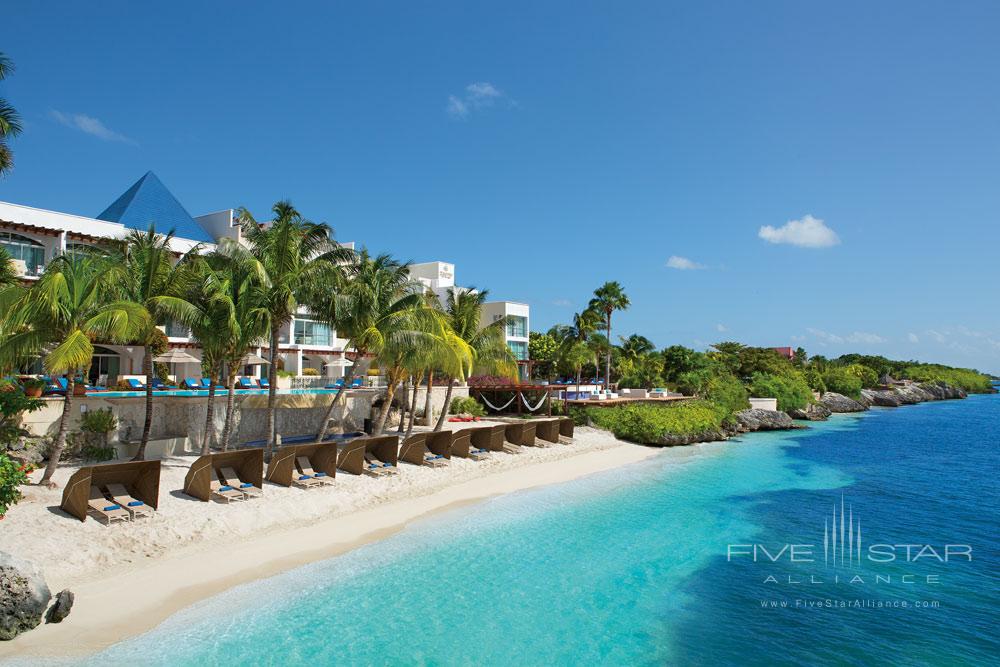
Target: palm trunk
{"type": "Point", "coordinates": [147, 425]}
{"type": "Point", "coordinates": [390, 393]}
{"type": "Point", "coordinates": [325, 426]}
{"type": "Point", "coordinates": [413, 407]}
{"type": "Point", "coordinates": [272, 376]}
{"type": "Point", "coordinates": [227, 429]}
{"type": "Point", "coordinates": [60, 442]}
{"type": "Point", "coordinates": [427, 397]}
{"type": "Point", "coordinates": [607, 365]}
{"type": "Point", "coordinates": [402, 410]}
{"type": "Point", "coordinates": [447, 405]}
{"type": "Point", "coordinates": [206, 441]}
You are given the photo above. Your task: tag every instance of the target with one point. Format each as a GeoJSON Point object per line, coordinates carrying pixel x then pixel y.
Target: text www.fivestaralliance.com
{"type": "Point", "coordinates": [849, 603]}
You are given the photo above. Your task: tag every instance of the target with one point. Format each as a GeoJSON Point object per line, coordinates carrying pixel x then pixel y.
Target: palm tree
{"type": "Point", "coordinates": [10, 121]}
{"type": "Point", "coordinates": [294, 256]}
{"type": "Point", "coordinates": [152, 280]}
{"type": "Point", "coordinates": [8, 276]}
{"type": "Point", "coordinates": [371, 306]}
{"type": "Point", "coordinates": [488, 344]}
{"type": "Point", "coordinates": [241, 315]}
{"type": "Point", "coordinates": [608, 298]}
{"type": "Point", "coordinates": [631, 351]}
{"type": "Point", "coordinates": [71, 305]}
{"type": "Point", "coordinates": [574, 356]}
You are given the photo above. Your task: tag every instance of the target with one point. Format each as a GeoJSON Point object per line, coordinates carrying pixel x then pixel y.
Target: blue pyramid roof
{"type": "Point", "coordinates": [148, 202]}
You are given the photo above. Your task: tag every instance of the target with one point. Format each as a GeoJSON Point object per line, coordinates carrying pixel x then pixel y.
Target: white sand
{"type": "Point", "coordinates": [129, 577]}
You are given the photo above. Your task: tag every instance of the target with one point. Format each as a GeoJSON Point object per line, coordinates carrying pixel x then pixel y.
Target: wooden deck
{"type": "Point", "coordinates": [621, 400]}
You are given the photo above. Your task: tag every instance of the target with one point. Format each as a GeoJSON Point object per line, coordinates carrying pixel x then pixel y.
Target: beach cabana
{"type": "Point", "coordinates": [283, 468]}
{"type": "Point", "coordinates": [439, 443]}
{"type": "Point", "coordinates": [248, 464]}
{"type": "Point", "coordinates": [520, 433]}
{"type": "Point", "coordinates": [461, 445]}
{"type": "Point", "coordinates": [414, 450]}
{"type": "Point", "coordinates": [489, 438]}
{"type": "Point", "coordinates": [547, 430]}
{"type": "Point", "coordinates": [141, 480]}
{"type": "Point", "coordinates": [357, 456]}
{"type": "Point", "coordinates": [566, 425]}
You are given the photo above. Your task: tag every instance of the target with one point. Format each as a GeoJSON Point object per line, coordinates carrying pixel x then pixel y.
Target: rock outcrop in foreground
{"type": "Point", "coordinates": [24, 595]}
{"type": "Point", "coordinates": [756, 419]}
{"type": "Point", "coordinates": [814, 412]}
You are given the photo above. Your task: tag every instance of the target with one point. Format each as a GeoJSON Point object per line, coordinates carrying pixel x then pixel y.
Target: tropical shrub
{"type": "Point", "coordinates": [963, 378]}
{"type": "Point", "coordinates": [791, 390]}
{"type": "Point", "coordinates": [727, 394]}
{"type": "Point", "coordinates": [814, 378]}
{"type": "Point", "coordinates": [868, 376]}
{"type": "Point", "coordinates": [96, 425]}
{"type": "Point", "coordinates": [310, 372]}
{"type": "Point", "coordinates": [12, 476]}
{"type": "Point", "coordinates": [13, 404]}
{"type": "Point", "coordinates": [467, 405]}
{"type": "Point", "coordinates": [648, 423]}
{"type": "Point", "coordinates": [842, 381]}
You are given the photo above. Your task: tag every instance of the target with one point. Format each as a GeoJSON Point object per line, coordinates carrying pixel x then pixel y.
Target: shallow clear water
{"type": "Point", "coordinates": [630, 567]}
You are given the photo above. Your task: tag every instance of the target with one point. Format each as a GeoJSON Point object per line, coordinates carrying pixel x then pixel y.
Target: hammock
{"type": "Point", "coordinates": [495, 408]}
{"type": "Point", "coordinates": [532, 409]}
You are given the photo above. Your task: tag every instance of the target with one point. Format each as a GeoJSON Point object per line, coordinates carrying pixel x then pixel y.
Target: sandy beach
{"type": "Point", "coordinates": [130, 577]}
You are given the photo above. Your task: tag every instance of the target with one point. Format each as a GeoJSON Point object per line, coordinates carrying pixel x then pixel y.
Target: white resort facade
{"type": "Point", "coordinates": [309, 352]}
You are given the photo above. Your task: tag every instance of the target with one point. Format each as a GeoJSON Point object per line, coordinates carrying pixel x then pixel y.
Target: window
{"type": "Point", "coordinates": [176, 330]}
{"type": "Point", "coordinates": [105, 366]}
{"type": "Point", "coordinates": [517, 327]}
{"type": "Point", "coordinates": [29, 251]}
{"type": "Point", "coordinates": [519, 348]}
{"type": "Point", "coordinates": [309, 332]}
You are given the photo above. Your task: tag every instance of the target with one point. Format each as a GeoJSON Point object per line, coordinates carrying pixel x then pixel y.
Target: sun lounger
{"type": "Point", "coordinates": [461, 446]}
{"type": "Point", "coordinates": [102, 508]}
{"type": "Point", "coordinates": [302, 479]}
{"type": "Point", "coordinates": [264, 383]}
{"type": "Point", "coordinates": [247, 383]}
{"type": "Point", "coordinates": [225, 492]}
{"type": "Point", "coordinates": [232, 478]}
{"type": "Point", "coordinates": [136, 508]}
{"type": "Point", "coordinates": [306, 467]}
{"type": "Point", "coordinates": [374, 466]}
{"type": "Point", "coordinates": [190, 383]}
{"type": "Point", "coordinates": [357, 383]}
{"type": "Point", "coordinates": [160, 385]}
{"type": "Point", "coordinates": [136, 385]}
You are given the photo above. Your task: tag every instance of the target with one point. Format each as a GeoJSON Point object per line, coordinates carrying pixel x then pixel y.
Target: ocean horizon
{"type": "Point", "coordinates": [651, 564]}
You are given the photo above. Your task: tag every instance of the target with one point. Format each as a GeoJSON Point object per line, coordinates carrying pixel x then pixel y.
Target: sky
{"type": "Point", "coordinates": [778, 173]}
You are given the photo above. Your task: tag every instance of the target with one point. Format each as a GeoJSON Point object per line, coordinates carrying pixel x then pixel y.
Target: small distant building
{"type": "Point", "coordinates": [786, 352]}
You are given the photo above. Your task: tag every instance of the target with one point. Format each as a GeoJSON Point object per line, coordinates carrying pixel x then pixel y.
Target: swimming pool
{"type": "Point", "coordinates": [194, 393]}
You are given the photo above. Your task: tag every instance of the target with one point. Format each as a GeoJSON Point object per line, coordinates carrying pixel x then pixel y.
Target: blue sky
{"type": "Point", "coordinates": [547, 147]}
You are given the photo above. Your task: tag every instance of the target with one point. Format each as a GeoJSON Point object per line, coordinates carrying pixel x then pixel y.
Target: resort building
{"type": "Point", "coordinates": [33, 237]}
{"type": "Point", "coordinates": [439, 277]}
{"type": "Point", "coordinates": [308, 349]}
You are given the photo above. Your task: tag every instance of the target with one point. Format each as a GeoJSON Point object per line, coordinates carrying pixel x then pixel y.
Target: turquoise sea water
{"type": "Point", "coordinates": [630, 567]}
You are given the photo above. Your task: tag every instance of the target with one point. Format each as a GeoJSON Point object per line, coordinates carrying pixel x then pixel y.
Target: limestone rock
{"type": "Point", "coordinates": [756, 419]}
{"type": "Point", "coordinates": [24, 595]}
{"type": "Point", "coordinates": [61, 607]}
{"type": "Point", "coordinates": [835, 402]}
{"type": "Point", "coordinates": [814, 412]}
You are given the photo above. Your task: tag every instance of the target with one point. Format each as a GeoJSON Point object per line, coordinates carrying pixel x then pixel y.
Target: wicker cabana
{"type": "Point", "coordinates": [520, 433]}
{"type": "Point", "coordinates": [140, 478]}
{"type": "Point", "coordinates": [487, 437]}
{"type": "Point", "coordinates": [322, 456]}
{"type": "Point", "coordinates": [439, 442]}
{"type": "Point", "coordinates": [351, 457]}
{"type": "Point", "coordinates": [547, 430]}
{"type": "Point", "coordinates": [247, 463]}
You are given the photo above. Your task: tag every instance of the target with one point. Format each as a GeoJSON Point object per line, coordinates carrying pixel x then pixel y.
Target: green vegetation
{"type": "Point", "coordinates": [964, 378]}
{"type": "Point", "coordinates": [12, 476]}
{"type": "Point", "coordinates": [96, 425]}
{"type": "Point", "coordinates": [649, 423]}
{"type": "Point", "coordinates": [467, 405]}
{"type": "Point", "coordinates": [10, 121]}
{"type": "Point", "coordinates": [842, 381]}
{"type": "Point", "coordinates": [790, 389]}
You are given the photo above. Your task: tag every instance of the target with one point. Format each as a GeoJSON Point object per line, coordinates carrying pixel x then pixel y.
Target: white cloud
{"type": "Point", "coordinates": [825, 337]}
{"type": "Point", "coordinates": [683, 264]}
{"type": "Point", "coordinates": [721, 328]}
{"type": "Point", "coordinates": [478, 95]}
{"type": "Point", "coordinates": [936, 335]}
{"type": "Point", "coordinates": [809, 232]}
{"type": "Point", "coordinates": [912, 337]}
{"type": "Point", "coordinates": [90, 125]}
{"type": "Point", "coordinates": [864, 337]}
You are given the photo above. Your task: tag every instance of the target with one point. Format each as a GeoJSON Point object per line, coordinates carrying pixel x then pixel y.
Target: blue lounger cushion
{"type": "Point", "coordinates": [136, 503]}
{"type": "Point", "coordinates": [301, 477]}
{"type": "Point", "coordinates": [245, 485]}
{"type": "Point", "coordinates": [320, 474]}
{"type": "Point", "coordinates": [226, 488]}
{"type": "Point", "coordinates": [112, 507]}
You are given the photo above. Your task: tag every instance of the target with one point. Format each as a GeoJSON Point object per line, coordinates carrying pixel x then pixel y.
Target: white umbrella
{"type": "Point", "coordinates": [176, 356]}
{"type": "Point", "coordinates": [252, 359]}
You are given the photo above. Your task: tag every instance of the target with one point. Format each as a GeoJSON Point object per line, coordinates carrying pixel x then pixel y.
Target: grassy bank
{"type": "Point", "coordinates": [650, 424]}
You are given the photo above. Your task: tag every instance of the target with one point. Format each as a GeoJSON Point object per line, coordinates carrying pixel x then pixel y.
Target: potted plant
{"type": "Point", "coordinates": [33, 387]}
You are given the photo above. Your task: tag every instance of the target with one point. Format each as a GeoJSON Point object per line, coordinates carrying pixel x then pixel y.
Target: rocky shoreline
{"type": "Point", "coordinates": [755, 419]}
